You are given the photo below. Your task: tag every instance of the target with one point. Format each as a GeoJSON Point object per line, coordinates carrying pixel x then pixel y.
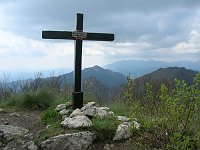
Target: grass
{"type": "Point", "coordinates": [105, 129]}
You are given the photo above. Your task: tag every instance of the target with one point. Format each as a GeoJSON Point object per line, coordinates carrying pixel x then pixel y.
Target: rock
{"type": "Point", "coordinates": [136, 125]}
{"type": "Point", "coordinates": [8, 129]}
{"type": "Point", "coordinates": [15, 114]}
{"type": "Point", "coordinates": [89, 105]}
{"type": "Point", "coordinates": [101, 113]}
{"type": "Point", "coordinates": [123, 132]}
{"type": "Point", "coordinates": [104, 108]}
{"type": "Point", "coordinates": [111, 113]}
{"type": "Point", "coordinates": [64, 112]}
{"type": "Point", "coordinates": [96, 112]}
{"type": "Point", "coordinates": [31, 146]}
{"type": "Point", "coordinates": [60, 107]}
{"type": "Point", "coordinates": [91, 112]}
{"type": "Point", "coordinates": [75, 141]}
{"type": "Point", "coordinates": [123, 118]}
{"type": "Point", "coordinates": [77, 112]}
{"type": "Point", "coordinates": [77, 121]}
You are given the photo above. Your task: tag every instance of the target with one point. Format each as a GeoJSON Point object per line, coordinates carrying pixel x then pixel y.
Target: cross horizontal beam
{"type": "Point", "coordinates": [68, 35]}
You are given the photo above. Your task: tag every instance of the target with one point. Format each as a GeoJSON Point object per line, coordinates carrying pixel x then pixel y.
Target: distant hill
{"type": "Point", "coordinates": [106, 77]}
{"type": "Point", "coordinates": [171, 73]}
{"type": "Point", "coordinates": [139, 67]}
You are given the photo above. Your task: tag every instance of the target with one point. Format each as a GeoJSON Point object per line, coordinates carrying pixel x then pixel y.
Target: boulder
{"type": "Point", "coordinates": [64, 112]}
{"type": "Point", "coordinates": [89, 105]}
{"type": "Point", "coordinates": [75, 141]}
{"type": "Point", "coordinates": [101, 113]}
{"type": "Point", "coordinates": [60, 107]}
{"type": "Point", "coordinates": [77, 121]}
{"type": "Point", "coordinates": [91, 112]}
{"type": "Point", "coordinates": [77, 112]}
{"type": "Point", "coordinates": [123, 132]}
{"type": "Point", "coordinates": [96, 112]}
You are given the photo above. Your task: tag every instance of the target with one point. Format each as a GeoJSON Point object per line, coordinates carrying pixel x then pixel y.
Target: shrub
{"type": "Point", "coordinates": [170, 118]}
{"type": "Point", "coordinates": [40, 99]}
{"type": "Point", "coordinates": [105, 128]}
{"type": "Point", "coordinates": [50, 116]}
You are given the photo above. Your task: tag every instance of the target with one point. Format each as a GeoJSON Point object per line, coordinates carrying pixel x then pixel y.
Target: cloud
{"type": "Point", "coordinates": [144, 29]}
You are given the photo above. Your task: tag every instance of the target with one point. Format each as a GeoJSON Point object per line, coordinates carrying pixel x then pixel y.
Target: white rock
{"type": "Point", "coordinates": [77, 112]}
{"type": "Point", "coordinates": [123, 132]}
{"type": "Point", "coordinates": [123, 118]}
{"type": "Point", "coordinates": [96, 112]}
{"type": "Point", "coordinates": [101, 113]}
{"type": "Point", "coordinates": [136, 124]}
{"type": "Point", "coordinates": [111, 113]}
{"type": "Point", "coordinates": [89, 105]}
{"type": "Point", "coordinates": [75, 141]}
{"type": "Point", "coordinates": [90, 111]}
{"type": "Point", "coordinates": [77, 121]}
{"type": "Point", "coordinates": [64, 112]}
{"type": "Point", "coordinates": [60, 107]}
{"type": "Point", "coordinates": [104, 108]}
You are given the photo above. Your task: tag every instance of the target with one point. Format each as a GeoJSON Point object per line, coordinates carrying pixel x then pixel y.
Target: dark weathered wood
{"type": "Point", "coordinates": [78, 36]}
{"type": "Point", "coordinates": [77, 95]}
{"type": "Point", "coordinates": [57, 35]}
{"type": "Point", "coordinates": [99, 36]}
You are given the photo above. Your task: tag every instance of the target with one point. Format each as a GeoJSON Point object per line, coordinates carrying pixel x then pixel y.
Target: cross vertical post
{"type": "Point", "coordinates": [77, 95]}
{"type": "Point", "coordinates": [78, 36]}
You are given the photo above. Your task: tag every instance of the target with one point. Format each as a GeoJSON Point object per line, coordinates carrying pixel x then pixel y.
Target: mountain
{"type": "Point", "coordinates": [170, 74]}
{"type": "Point", "coordinates": [139, 67]}
{"type": "Point", "coordinates": [106, 77]}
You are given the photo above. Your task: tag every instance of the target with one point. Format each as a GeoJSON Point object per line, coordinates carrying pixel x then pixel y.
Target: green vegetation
{"type": "Point", "coordinates": [169, 117]}
{"type": "Point", "coordinates": [105, 128]}
{"type": "Point", "coordinates": [50, 116]}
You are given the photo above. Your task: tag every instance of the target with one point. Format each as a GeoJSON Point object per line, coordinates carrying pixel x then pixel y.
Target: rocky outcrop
{"type": "Point", "coordinates": [13, 136]}
{"type": "Point", "coordinates": [124, 130]}
{"type": "Point", "coordinates": [81, 118]}
{"type": "Point", "coordinates": [76, 122]}
{"type": "Point", "coordinates": [74, 141]}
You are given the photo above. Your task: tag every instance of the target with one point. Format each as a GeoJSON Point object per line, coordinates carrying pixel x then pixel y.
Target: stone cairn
{"type": "Point", "coordinates": [81, 118]}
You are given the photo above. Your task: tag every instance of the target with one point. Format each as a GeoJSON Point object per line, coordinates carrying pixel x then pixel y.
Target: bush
{"type": "Point", "coordinates": [170, 118]}
{"type": "Point", "coordinates": [50, 116]}
{"type": "Point", "coordinates": [105, 128]}
{"type": "Point", "coordinates": [40, 99]}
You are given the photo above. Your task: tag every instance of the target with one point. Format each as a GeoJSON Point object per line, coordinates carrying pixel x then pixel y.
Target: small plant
{"type": "Point", "coordinates": [41, 99]}
{"type": "Point", "coordinates": [105, 128]}
{"type": "Point", "coordinates": [50, 116]}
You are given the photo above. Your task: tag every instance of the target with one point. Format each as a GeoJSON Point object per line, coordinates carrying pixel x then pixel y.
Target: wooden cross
{"type": "Point", "coordinates": [78, 36]}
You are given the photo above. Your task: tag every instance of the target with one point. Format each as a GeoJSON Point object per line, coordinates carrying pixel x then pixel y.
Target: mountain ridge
{"type": "Point", "coordinates": [138, 68]}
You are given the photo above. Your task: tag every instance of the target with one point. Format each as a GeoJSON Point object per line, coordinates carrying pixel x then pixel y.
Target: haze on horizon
{"type": "Point", "coordinates": [144, 30]}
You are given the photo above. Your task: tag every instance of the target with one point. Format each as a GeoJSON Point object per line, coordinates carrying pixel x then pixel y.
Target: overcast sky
{"type": "Point", "coordinates": [167, 30]}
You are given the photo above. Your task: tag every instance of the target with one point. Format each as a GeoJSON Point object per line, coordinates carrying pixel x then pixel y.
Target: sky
{"type": "Point", "coordinates": [166, 30]}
